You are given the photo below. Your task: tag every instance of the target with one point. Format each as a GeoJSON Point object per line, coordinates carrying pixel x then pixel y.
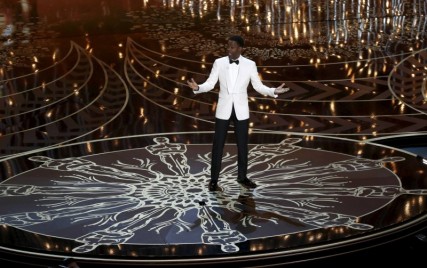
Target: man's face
{"type": "Point", "coordinates": [234, 50]}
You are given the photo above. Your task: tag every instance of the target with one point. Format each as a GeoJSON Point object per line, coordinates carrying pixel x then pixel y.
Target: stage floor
{"type": "Point", "coordinates": [105, 150]}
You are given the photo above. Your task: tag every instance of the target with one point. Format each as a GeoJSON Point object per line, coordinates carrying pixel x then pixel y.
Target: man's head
{"type": "Point", "coordinates": [235, 46]}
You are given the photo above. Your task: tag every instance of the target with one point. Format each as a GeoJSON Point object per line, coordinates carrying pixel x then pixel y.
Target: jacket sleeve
{"type": "Point", "coordinates": [258, 85]}
{"type": "Point", "coordinates": [210, 83]}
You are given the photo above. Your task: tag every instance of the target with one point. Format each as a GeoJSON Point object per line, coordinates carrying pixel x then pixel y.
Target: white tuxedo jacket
{"type": "Point", "coordinates": [238, 95]}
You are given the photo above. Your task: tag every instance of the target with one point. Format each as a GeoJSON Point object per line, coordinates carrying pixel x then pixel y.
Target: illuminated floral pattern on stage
{"type": "Point", "coordinates": [157, 195]}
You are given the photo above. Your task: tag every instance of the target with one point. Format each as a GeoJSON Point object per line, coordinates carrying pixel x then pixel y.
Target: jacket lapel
{"type": "Point", "coordinates": [227, 75]}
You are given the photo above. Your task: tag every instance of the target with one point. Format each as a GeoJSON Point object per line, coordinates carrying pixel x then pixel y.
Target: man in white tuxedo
{"type": "Point", "coordinates": [234, 73]}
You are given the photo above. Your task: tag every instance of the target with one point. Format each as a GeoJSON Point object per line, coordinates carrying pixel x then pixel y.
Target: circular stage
{"type": "Point", "coordinates": [144, 200]}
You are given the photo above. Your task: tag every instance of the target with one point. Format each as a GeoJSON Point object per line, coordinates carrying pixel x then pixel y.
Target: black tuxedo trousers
{"type": "Point", "coordinates": [241, 131]}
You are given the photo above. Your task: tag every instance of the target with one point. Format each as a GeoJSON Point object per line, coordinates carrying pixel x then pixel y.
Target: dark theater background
{"type": "Point", "coordinates": [105, 150]}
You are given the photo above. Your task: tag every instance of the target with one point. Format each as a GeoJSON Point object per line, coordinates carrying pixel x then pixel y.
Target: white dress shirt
{"type": "Point", "coordinates": [233, 71]}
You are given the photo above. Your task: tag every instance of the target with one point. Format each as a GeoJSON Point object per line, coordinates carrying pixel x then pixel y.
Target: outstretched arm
{"type": "Point", "coordinates": [209, 84]}
{"type": "Point", "coordinates": [281, 89]}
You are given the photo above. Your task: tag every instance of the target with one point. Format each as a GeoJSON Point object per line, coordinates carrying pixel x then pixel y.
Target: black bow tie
{"type": "Point", "coordinates": [234, 61]}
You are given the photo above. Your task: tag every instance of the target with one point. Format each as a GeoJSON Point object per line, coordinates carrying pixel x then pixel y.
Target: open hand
{"type": "Point", "coordinates": [192, 84]}
{"type": "Point", "coordinates": [281, 89]}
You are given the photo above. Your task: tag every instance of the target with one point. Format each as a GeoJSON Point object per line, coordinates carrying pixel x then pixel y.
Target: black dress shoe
{"type": "Point", "coordinates": [247, 183]}
{"type": "Point", "coordinates": [213, 186]}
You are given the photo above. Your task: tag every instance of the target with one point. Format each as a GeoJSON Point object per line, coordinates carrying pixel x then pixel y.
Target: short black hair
{"type": "Point", "coordinates": [238, 39]}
